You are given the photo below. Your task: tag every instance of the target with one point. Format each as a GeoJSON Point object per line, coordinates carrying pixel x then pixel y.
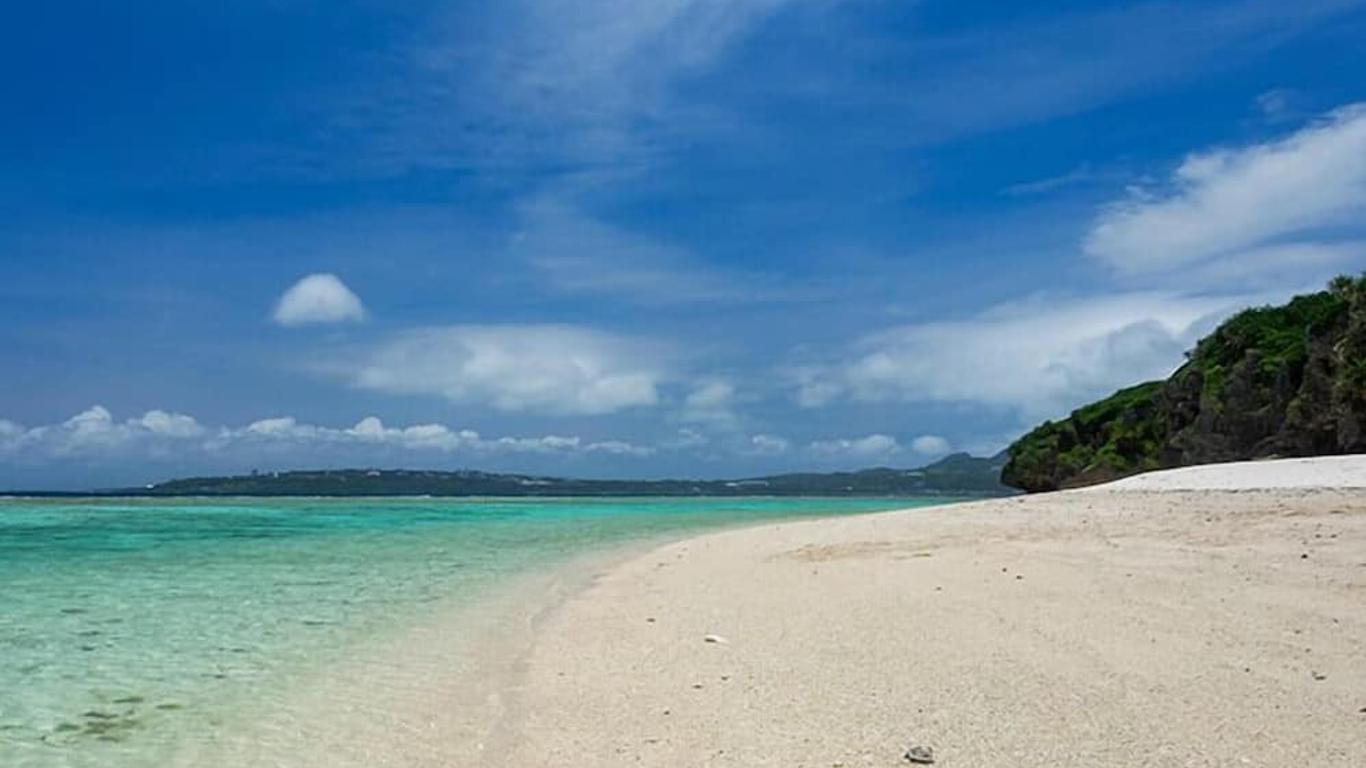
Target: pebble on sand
{"type": "Point", "coordinates": [920, 755]}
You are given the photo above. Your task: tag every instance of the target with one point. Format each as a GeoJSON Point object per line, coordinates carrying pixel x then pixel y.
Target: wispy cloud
{"type": "Point", "coordinates": [574, 254]}
{"type": "Point", "coordinates": [611, 55]}
{"type": "Point", "coordinates": [711, 403]}
{"type": "Point", "coordinates": [1082, 175]}
{"type": "Point", "coordinates": [1286, 204]}
{"type": "Point", "coordinates": [1279, 104]}
{"type": "Point", "coordinates": [553, 84]}
{"type": "Point", "coordinates": [1003, 76]}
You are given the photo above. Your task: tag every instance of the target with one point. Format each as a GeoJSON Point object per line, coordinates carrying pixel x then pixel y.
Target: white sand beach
{"type": "Point", "coordinates": [1342, 472]}
{"type": "Point", "coordinates": [1148, 622]}
{"type": "Point", "coordinates": [1142, 623]}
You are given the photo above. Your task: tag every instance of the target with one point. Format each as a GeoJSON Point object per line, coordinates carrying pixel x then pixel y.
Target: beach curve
{"type": "Point", "coordinates": [1104, 627]}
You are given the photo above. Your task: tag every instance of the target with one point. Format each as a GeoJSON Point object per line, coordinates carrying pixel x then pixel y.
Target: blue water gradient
{"type": "Point", "coordinates": [130, 626]}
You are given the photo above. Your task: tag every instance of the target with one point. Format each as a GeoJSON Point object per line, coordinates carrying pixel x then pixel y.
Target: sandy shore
{"type": "Point", "coordinates": [1096, 628]}
{"type": "Point", "coordinates": [1164, 622]}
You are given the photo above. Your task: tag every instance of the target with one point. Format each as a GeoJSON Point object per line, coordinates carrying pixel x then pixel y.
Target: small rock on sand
{"type": "Point", "coordinates": [714, 639]}
{"type": "Point", "coordinates": [920, 755]}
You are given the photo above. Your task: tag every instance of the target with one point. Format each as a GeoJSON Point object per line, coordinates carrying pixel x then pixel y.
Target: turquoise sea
{"type": "Point", "coordinates": [131, 627]}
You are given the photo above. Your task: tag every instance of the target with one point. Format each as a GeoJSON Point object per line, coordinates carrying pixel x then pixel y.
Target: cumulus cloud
{"type": "Point", "coordinates": [930, 445]}
{"type": "Point", "coordinates": [286, 431]}
{"type": "Point", "coordinates": [868, 447]}
{"type": "Point", "coordinates": [318, 299]}
{"type": "Point", "coordinates": [372, 432]}
{"type": "Point", "coordinates": [1291, 203]}
{"type": "Point", "coordinates": [170, 424]}
{"type": "Point", "coordinates": [556, 369]}
{"type": "Point", "coordinates": [1038, 357]}
{"type": "Point", "coordinates": [96, 432]}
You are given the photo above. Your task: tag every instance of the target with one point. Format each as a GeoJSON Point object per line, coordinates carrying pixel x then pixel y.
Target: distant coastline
{"type": "Point", "coordinates": [955, 475]}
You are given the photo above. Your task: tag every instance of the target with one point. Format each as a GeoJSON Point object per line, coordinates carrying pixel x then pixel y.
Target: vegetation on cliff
{"type": "Point", "coordinates": [1269, 381]}
{"type": "Point", "coordinates": [956, 475]}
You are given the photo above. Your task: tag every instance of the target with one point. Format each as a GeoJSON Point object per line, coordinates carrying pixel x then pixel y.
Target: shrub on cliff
{"type": "Point", "coordinates": [1269, 381]}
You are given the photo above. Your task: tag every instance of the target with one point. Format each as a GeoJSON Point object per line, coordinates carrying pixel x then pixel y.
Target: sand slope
{"type": "Point", "coordinates": [1095, 628]}
{"type": "Point", "coordinates": [1318, 472]}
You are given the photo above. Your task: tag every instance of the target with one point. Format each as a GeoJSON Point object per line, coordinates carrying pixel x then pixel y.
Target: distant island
{"type": "Point", "coordinates": [956, 475]}
{"type": "Point", "coordinates": [1269, 382]}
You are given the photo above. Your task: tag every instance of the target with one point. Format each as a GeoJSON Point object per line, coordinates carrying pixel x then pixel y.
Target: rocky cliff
{"type": "Point", "coordinates": [1270, 381]}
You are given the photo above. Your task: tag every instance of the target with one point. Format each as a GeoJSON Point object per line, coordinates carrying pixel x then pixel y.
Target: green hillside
{"type": "Point", "coordinates": [1270, 381]}
{"type": "Point", "coordinates": [955, 475]}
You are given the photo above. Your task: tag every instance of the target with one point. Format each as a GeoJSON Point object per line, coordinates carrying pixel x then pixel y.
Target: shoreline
{"type": "Point", "coordinates": [1086, 628]}
{"type": "Point", "coordinates": [293, 634]}
{"type": "Point", "coordinates": [431, 692]}
{"type": "Point", "coordinates": [1091, 627]}
{"type": "Point", "coordinates": [436, 690]}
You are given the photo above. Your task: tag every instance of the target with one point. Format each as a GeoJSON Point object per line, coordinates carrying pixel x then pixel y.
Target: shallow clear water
{"type": "Point", "coordinates": [128, 626]}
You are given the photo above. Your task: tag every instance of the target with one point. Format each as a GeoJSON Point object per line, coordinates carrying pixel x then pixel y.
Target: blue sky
{"type": "Point", "coordinates": [640, 238]}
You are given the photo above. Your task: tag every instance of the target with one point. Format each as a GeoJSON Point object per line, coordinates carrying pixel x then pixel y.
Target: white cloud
{"type": "Point", "coordinates": [284, 426]}
{"type": "Point", "coordinates": [169, 424]}
{"type": "Point", "coordinates": [868, 447]}
{"type": "Point", "coordinates": [94, 433]}
{"type": "Point", "coordinates": [371, 431]}
{"type": "Point", "coordinates": [1039, 357]}
{"type": "Point", "coordinates": [316, 299]}
{"type": "Point", "coordinates": [95, 430]}
{"type": "Point", "coordinates": [546, 368]}
{"type": "Point", "coordinates": [1302, 264]}
{"type": "Point", "coordinates": [1300, 199]}
{"type": "Point", "coordinates": [930, 445]}
{"type": "Point", "coordinates": [768, 445]}
{"type": "Point", "coordinates": [1249, 222]}
{"type": "Point", "coordinates": [618, 448]}
{"type": "Point", "coordinates": [287, 431]}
